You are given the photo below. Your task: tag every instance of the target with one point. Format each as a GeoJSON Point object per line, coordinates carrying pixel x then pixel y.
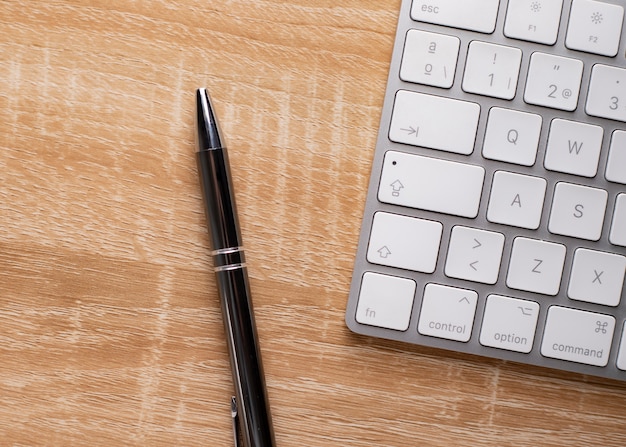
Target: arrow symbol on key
{"type": "Point", "coordinates": [397, 186]}
{"type": "Point", "coordinates": [384, 252]}
{"type": "Point", "coordinates": [412, 130]}
{"type": "Point", "coordinates": [478, 244]}
{"type": "Point", "coordinates": [472, 265]}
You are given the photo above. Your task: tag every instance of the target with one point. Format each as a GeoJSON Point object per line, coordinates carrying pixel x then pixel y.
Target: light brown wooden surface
{"type": "Point", "coordinates": [110, 327]}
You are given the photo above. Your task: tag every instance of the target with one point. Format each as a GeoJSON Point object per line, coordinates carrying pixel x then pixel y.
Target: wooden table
{"type": "Point", "coordinates": [110, 327]}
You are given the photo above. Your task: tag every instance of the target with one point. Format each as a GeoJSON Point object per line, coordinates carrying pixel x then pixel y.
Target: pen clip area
{"type": "Point", "coordinates": [235, 416]}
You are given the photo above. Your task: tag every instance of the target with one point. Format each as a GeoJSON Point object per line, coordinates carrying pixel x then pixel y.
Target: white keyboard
{"type": "Point", "coordinates": [495, 221]}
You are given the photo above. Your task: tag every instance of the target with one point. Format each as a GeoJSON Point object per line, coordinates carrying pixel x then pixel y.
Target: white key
{"type": "Point", "coordinates": [597, 277]}
{"type": "Point", "coordinates": [404, 242]}
{"type": "Point", "coordinates": [536, 266]}
{"type": "Point", "coordinates": [509, 323]}
{"type": "Point", "coordinates": [385, 301]}
{"type": "Point", "coordinates": [621, 355]}
{"type": "Point", "coordinates": [594, 27]}
{"type": "Point", "coordinates": [431, 184]}
{"type": "Point", "coordinates": [474, 255]}
{"type": "Point", "coordinates": [512, 136]}
{"type": "Point", "coordinates": [578, 336]}
{"type": "Point", "coordinates": [553, 81]}
{"type": "Point", "coordinates": [516, 199]}
{"type": "Point", "coordinates": [533, 20]}
{"type": "Point", "coordinates": [607, 93]}
{"type": "Point", "coordinates": [475, 15]}
{"type": "Point", "coordinates": [574, 148]}
{"type": "Point", "coordinates": [434, 122]}
{"type": "Point", "coordinates": [447, 312]}
{"type": "Point", "coordinates": [492, 70]}
{"type": "Point", "coordinates": [618, 226]}
{"type": "Point", "coordinates": [615, 171]}
{"type": "Point", "coordinates": [429, 58]}
{"type": "Point", "coordinates": [577, 211]}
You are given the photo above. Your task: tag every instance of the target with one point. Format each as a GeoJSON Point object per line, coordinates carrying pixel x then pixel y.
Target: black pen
{"type": "Point", "coordinates": [251, 404]}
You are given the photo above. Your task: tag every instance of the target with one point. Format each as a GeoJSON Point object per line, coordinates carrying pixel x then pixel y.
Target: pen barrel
{"type": "Point", "coordinates": [232, 283]}
{"type": "Point", "coordinates": [250, 389]}
{"type": "Point", "coordinates": [219, 199]}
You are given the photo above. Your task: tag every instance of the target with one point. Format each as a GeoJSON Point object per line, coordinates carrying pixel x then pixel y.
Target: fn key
{"type": "Point", "coordinates": [385, 301]}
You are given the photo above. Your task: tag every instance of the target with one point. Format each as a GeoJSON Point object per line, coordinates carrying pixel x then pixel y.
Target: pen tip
{"type": "Point", "coordinates": [207, 129]}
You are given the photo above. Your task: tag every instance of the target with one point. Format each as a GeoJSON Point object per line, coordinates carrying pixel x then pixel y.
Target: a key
{"type": "Point", "coordinates": [577, 211]}
{"type": "Point", "coordinates": [578, 336]}
{"type": "Point", "coordinates": [594, 27]}
{"type": "Point", "coordinates": [509, 323]}
{"type": "Point", "coordinates": [516, 199]}
{"type": "Point", "coordinates": [434, 122]}
{"type": "Point", "coordinates": [553, 81]}
{"type": "Point", "coordinates": [431, 184]}
{"type": "Point", "coordinates": [597, 277]}
{"type": "Point", "coordinates": [574, 148]}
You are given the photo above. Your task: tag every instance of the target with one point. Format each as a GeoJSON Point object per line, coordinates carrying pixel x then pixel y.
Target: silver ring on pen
{"type": "Point", "coordinates": [226, 259]}
{"type": "Point", "coordinates": [229, 267]}
{"type": "Point", "coordinates": [226, 251]}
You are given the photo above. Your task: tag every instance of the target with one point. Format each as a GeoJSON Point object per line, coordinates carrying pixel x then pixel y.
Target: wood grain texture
{"type": "Point", "coordinates": [110, 328]}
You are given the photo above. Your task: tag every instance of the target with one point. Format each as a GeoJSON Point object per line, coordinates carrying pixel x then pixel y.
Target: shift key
{"type": "Point", "coordinates": [431, 184]}
{"type": "Point", "coordinates": [434, 122]}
